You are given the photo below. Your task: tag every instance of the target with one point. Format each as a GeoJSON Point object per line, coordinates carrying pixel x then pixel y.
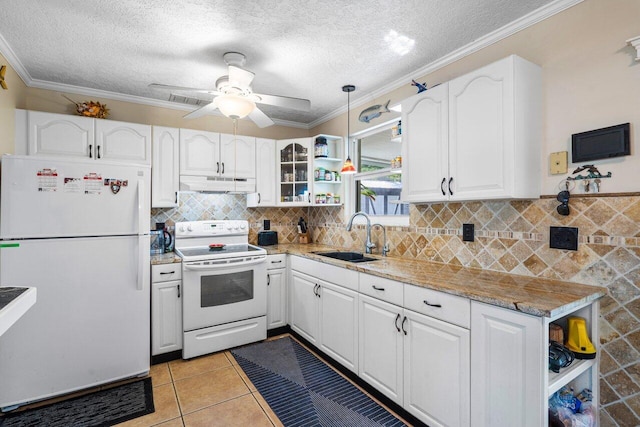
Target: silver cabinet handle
{"type": "Point", "coordinates": [90, 151]}
{"type": "Point", "coordinates": [217, 167]}
{"type": "Point", "coordinates": [442, 186]}
{"type": "Point", "coordinates": [377, 288]}
{"type": "Point", "coordinates": [178, 291]}
{"type": "Point", "coordinates": [450, 181]}
{"type": "Point", "coordinates": [167, 272]}
{"type": "Point", "coordinates": [403, 322]}
{"type": "Point", "coordinates": [97, 151]}
{"type": "Point", "coordinates": [396, 322]}
{"type": "Point", "coordinates": [222, 168]}
{"type": "Point", "coordinates": [268, 279]}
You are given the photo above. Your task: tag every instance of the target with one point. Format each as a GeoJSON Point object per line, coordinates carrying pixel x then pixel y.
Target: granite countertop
{"type": "Point", "coordinates": [167, 258]}
{"type": "Point", "coordinates": [14, 302]}
{"type": "Point", "coordinates": [531, 295]}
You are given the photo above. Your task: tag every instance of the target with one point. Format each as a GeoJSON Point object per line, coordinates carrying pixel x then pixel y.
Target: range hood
{"type": "Point", "coordinates": [213, 184]}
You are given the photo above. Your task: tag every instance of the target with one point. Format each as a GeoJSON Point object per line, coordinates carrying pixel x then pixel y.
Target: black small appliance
{"type": "Point", "coordinates": [267, 238]}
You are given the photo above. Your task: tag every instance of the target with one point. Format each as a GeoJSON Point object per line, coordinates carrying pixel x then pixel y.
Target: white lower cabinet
{"type": "Point", "coordinates": [325, 312]}
{"type": "Point", "coordinates": [381, 349]}
{"type": "Point", "coordinates": [166, 308]}
{"type": "Point", "coordinates": [436, 370]}
{"type": "Point", "coordinates": [511, 383]}
{"type": "Point", "coordinates": [339, 323]}
{"type": "Point", "coordinates": [276, 291]}
{"type": "Point", "coordinates": [304, 306]}
{"type": "Point", "coordinates": [420, 362]}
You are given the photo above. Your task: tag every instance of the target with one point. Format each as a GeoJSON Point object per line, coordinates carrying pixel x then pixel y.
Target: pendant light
{"type": "Point", "coordinates": [348, 167]}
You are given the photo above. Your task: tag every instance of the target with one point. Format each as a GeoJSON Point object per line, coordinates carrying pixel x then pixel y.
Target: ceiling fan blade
{"type": "Point", "coordinates": [202, 111]}
{"type": "Point", "coordinates": [183, 89]}
{"type": "Point", "coordinates": [239, 77]}
{"type": "Point", "coordinates": [260, 118]}
{"type": "Point", "coordinates": [283, 101]}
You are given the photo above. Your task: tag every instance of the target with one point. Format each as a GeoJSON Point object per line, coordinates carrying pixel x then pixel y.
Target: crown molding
{"type": "Point", "coordinates": [513, 27]}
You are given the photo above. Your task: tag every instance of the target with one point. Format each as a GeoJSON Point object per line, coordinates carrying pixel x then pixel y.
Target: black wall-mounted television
{"type": "Point", "coordinates": [613, 141]}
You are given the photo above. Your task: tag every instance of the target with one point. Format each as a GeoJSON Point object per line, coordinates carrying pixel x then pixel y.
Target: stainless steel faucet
{"type": "Point", "coordinates": [385, 245]}
{"type": "Point", "coordinates": [369, 245]}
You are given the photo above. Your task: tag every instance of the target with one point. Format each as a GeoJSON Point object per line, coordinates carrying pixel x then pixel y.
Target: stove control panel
{"type": "Point", "coordinates": [211, 228]}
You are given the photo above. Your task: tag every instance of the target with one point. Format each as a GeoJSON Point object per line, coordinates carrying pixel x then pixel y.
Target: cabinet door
{"type": "Point", "coordinates": [165, 174]}
{"type": "Point", "coordinates": [425, 171]}
{"type": "Point", "coordinates": [60, 135]}
{"type": "Point", "coordinates": [237, 156]}
{"type": "Point", "coordinates": [339, 324]}
{"type": "Point", "coordinates": [294, 172]}
{"type": "Point", "coordinates": [265, 174]}
{"type": "Point", "coordinates": [199, 153]}
{"type": "Point", "coordinates": [166, 317]}
{"type": "Point", "coordinates": [121, 141]}
{"type": "Point", "coordinates": [380, 350]}
{"type": "Point", "coordinates": [276, 298]}
{"type": "Point", "coordinates": [304, 306]}
{"type": "Point", "coordinates": [436, 371]}
{"type": "Point", "coordinates": [481, 132]}
{"type": "Point", "coordinates": [507, 369]}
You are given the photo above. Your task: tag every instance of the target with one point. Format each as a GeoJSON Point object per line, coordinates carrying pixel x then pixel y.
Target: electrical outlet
{"type": "Point", "coordinates": [468, 232]}
{"type": "Point", "coordinates": [266, 225]}
{"type": "Point", "coordinates": [563, 238]}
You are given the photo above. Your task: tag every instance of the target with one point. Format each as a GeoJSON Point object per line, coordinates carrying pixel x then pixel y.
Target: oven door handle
{"type": "Point", "coordinates": [223, 265]}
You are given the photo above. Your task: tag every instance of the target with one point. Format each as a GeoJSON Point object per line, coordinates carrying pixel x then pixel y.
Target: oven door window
{"type": "Point", "coordinates": [223, 289]}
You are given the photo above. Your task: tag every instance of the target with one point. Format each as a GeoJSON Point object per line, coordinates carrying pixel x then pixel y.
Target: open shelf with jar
{"type": "Point", "coordinates": [327, 162]}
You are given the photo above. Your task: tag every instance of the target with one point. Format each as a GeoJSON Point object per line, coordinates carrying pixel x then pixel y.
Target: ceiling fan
{"type": "Point", "coordinates": [234, 96]}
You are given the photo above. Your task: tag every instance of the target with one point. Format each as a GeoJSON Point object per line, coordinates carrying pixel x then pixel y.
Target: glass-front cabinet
{"type": "Point", "coordinates": [309, 171]}
{"type": "Point", "coordinates": [294, 171]}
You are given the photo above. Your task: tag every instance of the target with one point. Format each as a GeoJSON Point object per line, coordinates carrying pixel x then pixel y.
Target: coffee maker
{"type": "Point", "coordinates": [161, 239]}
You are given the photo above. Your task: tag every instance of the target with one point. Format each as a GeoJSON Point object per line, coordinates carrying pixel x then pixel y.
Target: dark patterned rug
{"type": "Point", "coordinates": [102, 408]}
{"type": "Point", "coordinates": [304, 391]}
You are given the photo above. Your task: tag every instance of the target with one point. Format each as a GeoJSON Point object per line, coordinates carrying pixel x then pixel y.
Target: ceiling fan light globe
{"type": "Point", "coordinates": [234, 106]}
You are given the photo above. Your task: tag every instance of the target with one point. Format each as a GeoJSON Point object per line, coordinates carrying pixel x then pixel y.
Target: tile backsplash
{"type": "Point", "coordinates": [511, 236]}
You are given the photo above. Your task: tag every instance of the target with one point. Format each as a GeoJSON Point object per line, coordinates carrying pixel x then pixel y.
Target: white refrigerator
{"type": "Point", "coordinates": [81, 229]}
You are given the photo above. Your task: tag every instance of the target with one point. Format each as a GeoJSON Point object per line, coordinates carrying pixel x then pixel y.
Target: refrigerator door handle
{"type": "Point", "coordinates": [141, 264]}
{"type": "Point", "coordinates": [141, 220]}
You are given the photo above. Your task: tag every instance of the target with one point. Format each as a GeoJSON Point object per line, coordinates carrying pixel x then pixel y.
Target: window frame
{"type": "Point", "coordinates": [350, 187]}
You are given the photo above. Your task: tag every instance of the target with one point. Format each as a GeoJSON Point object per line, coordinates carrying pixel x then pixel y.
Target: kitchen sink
{"type": "Point", "coordinates": [347, 256]}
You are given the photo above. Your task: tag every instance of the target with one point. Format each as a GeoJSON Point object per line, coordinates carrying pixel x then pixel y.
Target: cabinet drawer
{"type": "Point", "coordinates": [443, 306]}
{"type": "Point", "coordinates": [166, 272]}
{"type": "Point", "coordinates": [276, 261]}
{"type": "Point", "coordinates": [328, 273]}
{"type": "Point", "coordinates": [378, 287]}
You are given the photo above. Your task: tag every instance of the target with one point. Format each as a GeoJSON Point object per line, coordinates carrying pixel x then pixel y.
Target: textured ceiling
{"type": "Point", "coordinates": [306, 49]}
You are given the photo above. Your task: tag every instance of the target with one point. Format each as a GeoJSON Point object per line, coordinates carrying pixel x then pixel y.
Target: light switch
{"type": "Point", "coordinates": [558, 162]}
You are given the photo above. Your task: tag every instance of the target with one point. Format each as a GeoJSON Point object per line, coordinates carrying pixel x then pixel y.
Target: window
{"type": "Point", "coordinates": [378, 183]}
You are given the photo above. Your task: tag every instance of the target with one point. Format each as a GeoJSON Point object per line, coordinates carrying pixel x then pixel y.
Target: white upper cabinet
{"type": "Point", "coordinates": [51, 134]}
{"type": "Point", "coordinates": [165, 171]}
{"type": "Point", "coordinates": [205, 153]}
{"type": "Point", "coordinates": [61, 135]}
{"type": "Point", "coordinates": [481, 132]}
{"type": "Point", "coordinates": [237, 156]}
{"type": "Point", "coordinates": [121, 141]}
{"type": "Point", "coordinates": [265, 194]}
{"type": "Point", "coordinates": [425, 152]}
{"type": "Point", "coordinates": [199, 153]}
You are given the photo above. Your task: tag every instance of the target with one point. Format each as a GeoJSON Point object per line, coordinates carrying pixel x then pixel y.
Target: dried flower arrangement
{"type": "Point", "coordinates": [90, 109]}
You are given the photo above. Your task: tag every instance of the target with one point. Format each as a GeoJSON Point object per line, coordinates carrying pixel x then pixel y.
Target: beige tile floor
{"type": "Point", "coordinates": [210, 390]}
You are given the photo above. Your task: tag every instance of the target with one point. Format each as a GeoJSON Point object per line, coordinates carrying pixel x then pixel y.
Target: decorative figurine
{"type": "Point", "coordinates": [421, 87]}
{"type": "Point", "coordinates": [374, 112]}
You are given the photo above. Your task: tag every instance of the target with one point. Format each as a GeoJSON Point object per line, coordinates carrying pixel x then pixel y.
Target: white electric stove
{"type": "Point", "coordinates": [224, 281]}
